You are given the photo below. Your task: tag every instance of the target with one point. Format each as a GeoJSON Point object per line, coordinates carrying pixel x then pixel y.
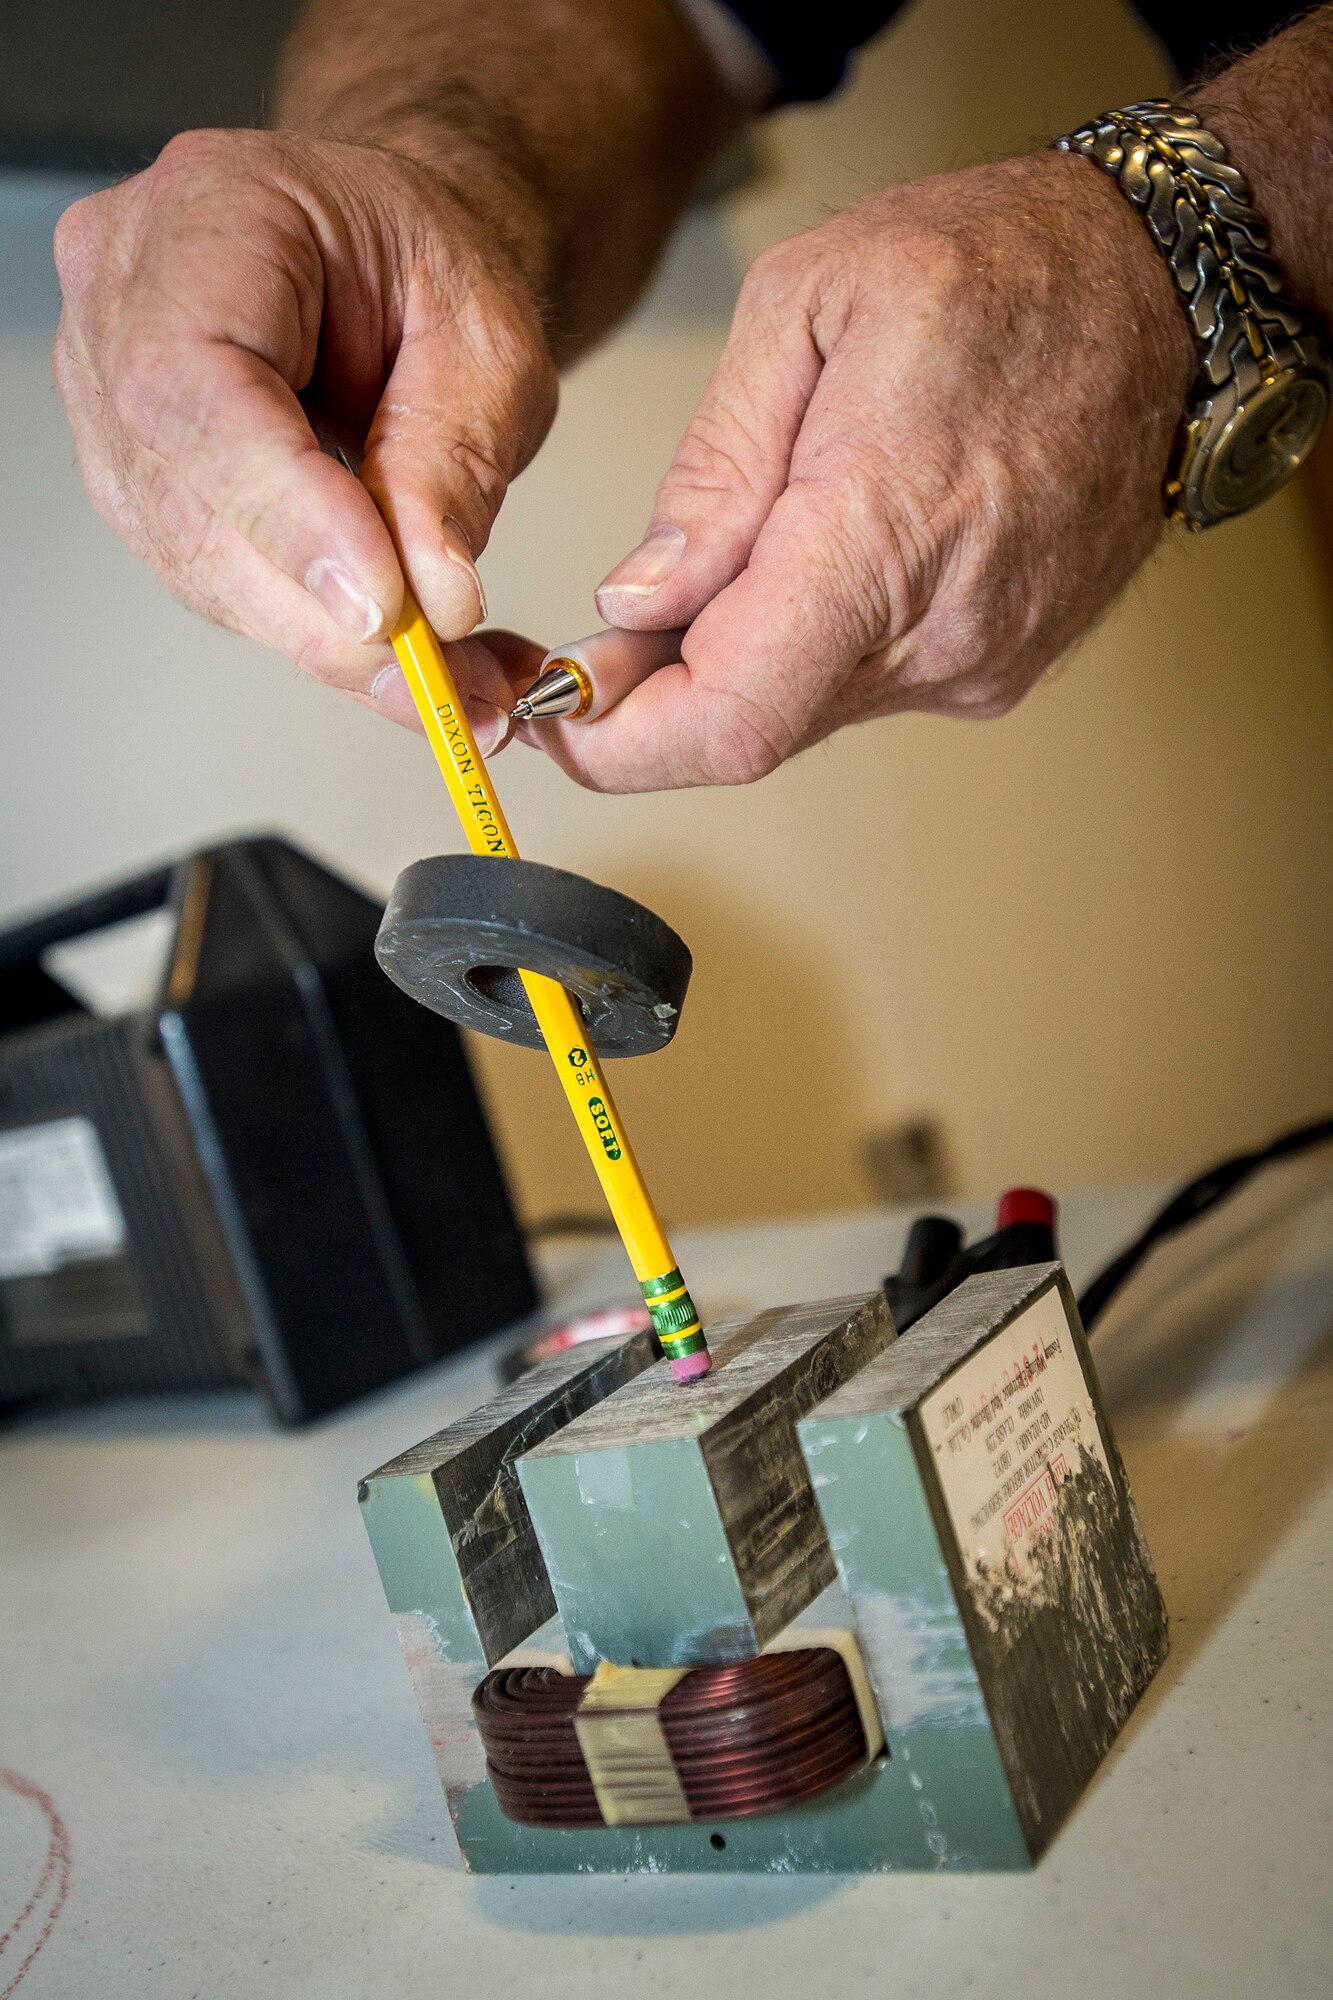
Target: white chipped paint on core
{"type": "Point", "coordinates": [919, 1663]}
{"type": "Point", "coordinates": [443, 1689]}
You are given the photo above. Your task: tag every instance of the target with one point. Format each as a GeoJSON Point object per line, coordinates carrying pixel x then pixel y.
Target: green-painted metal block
{"type": "Point", "coordinates": [1005, 1599]}
{"type": "Point", "coordinates": [678, 1524]}
{"type": "Point", "coordinates": [455, 1548]}
{"type": "Point", "coordinates": [953, 1499]}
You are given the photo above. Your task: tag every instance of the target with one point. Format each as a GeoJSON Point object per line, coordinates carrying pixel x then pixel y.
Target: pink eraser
{"type": "Point", "coordinates": [691, 1366]}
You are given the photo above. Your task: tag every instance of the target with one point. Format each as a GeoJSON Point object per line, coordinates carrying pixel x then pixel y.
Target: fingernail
{"type": "Point", "coordinates": [459, 550]}
{"type": "Point", "coordinates": [491, 727]}
{"type": "Point", "coordinates": [346, 602]}
{"type": "Point", "coordinates": [390, 693]}
{"type": "Point", "coordinates": [648, 566]}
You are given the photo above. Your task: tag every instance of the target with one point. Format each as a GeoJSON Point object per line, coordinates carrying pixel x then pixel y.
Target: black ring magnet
{"type": "Point", "coordinates": [459, 927]}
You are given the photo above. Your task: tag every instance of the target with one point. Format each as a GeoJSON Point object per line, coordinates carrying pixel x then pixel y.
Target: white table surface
{"type": "Point", "coordinates": [197, 1667]}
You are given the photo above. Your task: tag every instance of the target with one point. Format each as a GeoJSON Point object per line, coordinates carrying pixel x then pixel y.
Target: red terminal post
{"type": "Point", "coordinates": [1026, 1204]}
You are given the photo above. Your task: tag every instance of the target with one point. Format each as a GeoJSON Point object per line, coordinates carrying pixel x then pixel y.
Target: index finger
{"type": "Point", "coordinates": [224, 418]}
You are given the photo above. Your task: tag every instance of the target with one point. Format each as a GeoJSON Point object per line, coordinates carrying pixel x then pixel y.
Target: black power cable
{"type": "Point", "coordinates": [1188, 1205]}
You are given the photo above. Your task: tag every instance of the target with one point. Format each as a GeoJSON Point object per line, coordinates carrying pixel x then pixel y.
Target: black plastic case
{"type": "Point", "coordinates": [279, 1172]}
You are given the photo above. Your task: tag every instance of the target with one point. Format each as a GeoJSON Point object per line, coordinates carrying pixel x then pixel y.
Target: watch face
{"type": "Point", "coordinates": [1261, 445]}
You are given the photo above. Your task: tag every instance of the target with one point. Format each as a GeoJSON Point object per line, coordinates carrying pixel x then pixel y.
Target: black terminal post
{"type": "Point", "coordinates": [936, 1259]}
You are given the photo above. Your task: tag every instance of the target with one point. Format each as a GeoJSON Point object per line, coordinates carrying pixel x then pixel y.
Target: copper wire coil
{"type": "Point", "coordinates": [747, 1739]}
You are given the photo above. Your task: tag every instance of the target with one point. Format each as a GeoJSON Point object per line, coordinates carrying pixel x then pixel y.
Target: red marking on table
{"type": "Point", "coordinates": [54, 1878]}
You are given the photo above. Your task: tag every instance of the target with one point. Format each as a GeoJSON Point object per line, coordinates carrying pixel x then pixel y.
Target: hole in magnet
{"type": "Point", "coordinates": [501, 985]}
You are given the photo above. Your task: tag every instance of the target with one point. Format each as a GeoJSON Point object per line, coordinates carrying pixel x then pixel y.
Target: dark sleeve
{"type": "Point", "coordinates": [1198, 36]}
{"type": "Point", "coordinates": [809, 45]}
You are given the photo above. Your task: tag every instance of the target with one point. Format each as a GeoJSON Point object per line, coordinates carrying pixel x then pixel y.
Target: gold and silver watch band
{"type": "Point", "coordinates": [1265, 375]}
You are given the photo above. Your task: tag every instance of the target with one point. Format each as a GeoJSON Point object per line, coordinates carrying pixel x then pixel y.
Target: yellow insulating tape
{"type": "Point", "coordinates": [625, 1749]}
{"type": "Point", "coordinates": [537, 1656]}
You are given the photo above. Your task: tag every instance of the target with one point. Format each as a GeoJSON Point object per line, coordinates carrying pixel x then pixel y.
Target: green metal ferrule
{"type": "Point", "coordinates": [674, 1316]}
{"type": "Point", "coordinates": [676, 1346]}
{"type": "Point", "coordinates": [663, 1287]}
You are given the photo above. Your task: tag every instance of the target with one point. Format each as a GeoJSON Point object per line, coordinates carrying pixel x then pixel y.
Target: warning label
{"type": "Point", "coordinates": [57, 1204]}
{"type": "Point", "coordinates": [1005, 1429]}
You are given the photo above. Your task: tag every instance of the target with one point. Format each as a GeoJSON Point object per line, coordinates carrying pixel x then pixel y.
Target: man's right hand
{"type": "Point", "coordinates": [248, 287]}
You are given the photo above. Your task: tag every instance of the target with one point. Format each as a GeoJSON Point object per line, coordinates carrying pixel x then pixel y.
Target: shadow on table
{"type": "Point", "coordinates": [622, 1906]}
{"type": "Point", "coordinates": [1219, 1377]}
{"type": "Point", "coordinates": [1215, 1510]}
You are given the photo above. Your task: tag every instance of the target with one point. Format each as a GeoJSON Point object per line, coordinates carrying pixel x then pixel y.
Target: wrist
{"type": "Point", "coordinates": [1273, 111]}
{"type": "Point", "coordinates": [1130, 325]}
{"type": "Point", "coordinates": [574, 129]}
{"type": "Point", "coordinates": [1133, 298]}
{"type": "Point", "coordinates": [465, 161]}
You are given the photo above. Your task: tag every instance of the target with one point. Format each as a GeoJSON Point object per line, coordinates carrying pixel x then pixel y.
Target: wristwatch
{"type": "Point", "coordinates": [1265, 374]}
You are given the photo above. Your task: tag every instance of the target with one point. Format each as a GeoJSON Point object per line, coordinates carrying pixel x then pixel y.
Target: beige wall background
{"type": "Point", "coordinates": [1093, 939]}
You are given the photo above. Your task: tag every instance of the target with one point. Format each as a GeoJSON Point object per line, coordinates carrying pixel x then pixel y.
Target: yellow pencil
{"type": "Point", "coordinates": [562, 1026]}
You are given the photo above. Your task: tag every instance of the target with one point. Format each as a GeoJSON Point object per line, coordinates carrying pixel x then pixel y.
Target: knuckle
{"type": "Point", "coordinates": [78, 233]}
{"type": "Point", "coordinates": [512, 343]}
{"type": "Point", "coordinates": [853, 550]}
{"type": "Point", "coordinates": [989, 704]}
{"type": "Point", "coordinates": [965, 668]}
{"type": "Point", "coordinates": [942, 665]}
{"type": "Point", "coordinates": [719, 453]}
{"type": "Point", "coordinates": [747, 741]}
{"type": "Point", "coordinates": [317, 651]}
{"type": "Point", "coordinates": [189, 153]}
{"type": "Point", "coordinates": [482, 466]}
{"type": "Point", "coordinates": [514, 359]}
{"type": "Point", "coordinates": [983, 700]}
{"type": "Point", "coordinates": [772, 277]}
{"type": "Point", "coordinates": [504, 335]}
{"type": "Point", "coordinates": [529, 394]}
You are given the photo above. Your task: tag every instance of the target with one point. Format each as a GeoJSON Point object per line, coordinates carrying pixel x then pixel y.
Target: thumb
{"type": "Point", "coordinates": [730, 466]}
{"type": "Point", "coordinates": [470, 397]}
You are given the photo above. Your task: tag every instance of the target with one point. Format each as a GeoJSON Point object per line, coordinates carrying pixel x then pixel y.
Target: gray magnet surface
{"type": "Point", "coordinates": [460, 927]}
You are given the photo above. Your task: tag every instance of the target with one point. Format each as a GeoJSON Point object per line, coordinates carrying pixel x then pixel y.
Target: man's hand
{"type": "Point", "coordinates": [930, 456]}
{"type": "Point", "coordinates": [465, 189]}
{"type": "Point", "coordinates": [248, 285]}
